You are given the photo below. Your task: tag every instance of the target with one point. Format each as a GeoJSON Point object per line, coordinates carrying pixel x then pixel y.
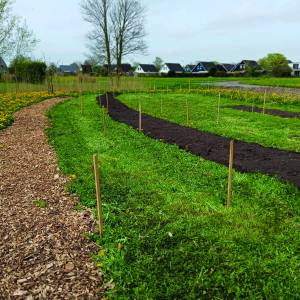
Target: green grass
{"type": "Point", "coordinates": [167, 232]}
{"type": "Point", "coordinates": [275, 82]}
{"type": "Point", "coordinates": [266, 130]}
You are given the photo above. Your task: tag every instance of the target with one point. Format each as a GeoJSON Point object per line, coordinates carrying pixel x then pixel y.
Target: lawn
{"type": "Point", "coordinates": [267, 130]}
{"type": "Point", "coordinates": [168, 234]}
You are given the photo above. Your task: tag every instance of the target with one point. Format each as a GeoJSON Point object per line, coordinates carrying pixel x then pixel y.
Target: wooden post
{"type": "Point", "coordinates": [140, 117]}
{"type": "Point", "coordinates": [229, 191]}
{"type": "Point", "coordinates": [107, 101]}
{"type": "Point", "coordinates": [81, 103]}
{"type": "Point", "coordinates": [218, 108]}
{"type": "Point", "coordinates": [264, 107]}
{"type": "Point", "coordinates": [187, 112]}
{"type": "Point", "coordinates": [161, 105]}
{"type": "Point", "coordinates": [98, 194]}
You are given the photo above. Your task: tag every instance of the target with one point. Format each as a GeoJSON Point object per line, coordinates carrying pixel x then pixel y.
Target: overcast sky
{"type": "Point", "coordinates": [181, 31]}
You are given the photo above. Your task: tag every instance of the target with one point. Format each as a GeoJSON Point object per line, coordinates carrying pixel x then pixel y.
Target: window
{"type": "Point", "coordinates": [296, 66]}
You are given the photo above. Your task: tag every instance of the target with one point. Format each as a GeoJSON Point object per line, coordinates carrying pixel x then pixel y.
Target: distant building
{"type": "Point", "coordinates": [189, 68]}
{"type": "Point", "coordinates": [295, 66]}
{"type": "Point", "coordinates": [146, 69]}
{"type": "Point", "coordinates": [204, 67]}
{"type": "Point", "coordinates": [171, 67]}
{"type": "Point", "coordinates": [3, 66]}
{"type": "Point", "coordinates": [125, 69]}
{"type": "Point", "coordinates": [242, 66]}
{"type": "Point", "coordinates": [228, 67]}
{"type": "Point", "coordinates": [72, 69]}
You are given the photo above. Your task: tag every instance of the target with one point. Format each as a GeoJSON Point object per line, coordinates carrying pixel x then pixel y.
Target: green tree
{"type": "Point", "coordinates": [158, 63]}
{"type": "Point", "coordinates": [273, 60]}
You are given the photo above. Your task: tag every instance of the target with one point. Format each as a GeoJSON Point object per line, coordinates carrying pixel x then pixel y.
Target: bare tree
{"type": "Point", "coordinates": [96, 12]}
{"type": "Point", "coordinates": [128, 29]}
{"type": "Point", "coordinates": [16, 39]}
{"type": "Point", "coordinates": [24, 41]}
{"type": "Point", "coordinates": [7, 26]}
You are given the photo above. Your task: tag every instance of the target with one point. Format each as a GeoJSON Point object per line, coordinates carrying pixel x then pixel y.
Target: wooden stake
{"type": "Point", "coordinates": [229, 192]}
{"type": "Point", "coordinates": [98, 194]}
{"type": "Point", "coordinates": [264, 107]}
{"type": "Point", "coordinates": [218, 109]}
{"type": "Point", "coordinates": [107, 101]}
{"type": "Point", "coordinates": [140, 117]}
{"type": "Point", "coordinates": [187, 112]}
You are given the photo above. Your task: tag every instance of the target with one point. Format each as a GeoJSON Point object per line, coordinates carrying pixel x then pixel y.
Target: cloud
{"type": "Point", "coordinates": [254, 13]}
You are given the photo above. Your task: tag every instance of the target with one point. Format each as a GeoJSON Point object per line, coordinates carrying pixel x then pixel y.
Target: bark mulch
{"type": "Point", "coordinates": [44, 253]}
{"type": "Point", "coordinates": [273, 112]}
{"type": "Point", "coordinates": [248, 157]}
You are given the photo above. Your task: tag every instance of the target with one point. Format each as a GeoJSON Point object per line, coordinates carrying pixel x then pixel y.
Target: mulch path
{"type": "Point", "coordinates": [248, 157]}
{"type": "Point", "coordinates": [43, 251]}
{"type": "Point", "coordinates": [273, 112]}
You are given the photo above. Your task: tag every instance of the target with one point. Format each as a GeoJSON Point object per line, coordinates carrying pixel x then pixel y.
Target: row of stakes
{"type": "Point", "coordinates": [97, 174]}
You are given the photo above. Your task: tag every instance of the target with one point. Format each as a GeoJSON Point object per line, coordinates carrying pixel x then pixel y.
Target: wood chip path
{"type": "Point", "coordinates": [43, 251]}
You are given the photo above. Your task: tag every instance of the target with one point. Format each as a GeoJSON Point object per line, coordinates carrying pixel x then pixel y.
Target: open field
{"type": "Point", "coordinates": [276, 82]}
{"type": "Point", "coordinates": [167, 232]}
{"type": "Point", "coordinates": [270, 131]}
{"type": "Point", "coordinates": [94, 84]}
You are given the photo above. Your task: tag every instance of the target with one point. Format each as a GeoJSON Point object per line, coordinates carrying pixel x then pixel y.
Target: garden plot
{"type": "Point", "coordinates": [249, 157]}
{"type": "Point", "coordinates": [167, 232]}
{"type": "Point", "coordinates": [273, 112]}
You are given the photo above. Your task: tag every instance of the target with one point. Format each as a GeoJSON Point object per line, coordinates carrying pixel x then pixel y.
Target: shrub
{"type": "Point", "coordinates": [27, 70]}
{"type": "Point", "coordinates": [282, 71]}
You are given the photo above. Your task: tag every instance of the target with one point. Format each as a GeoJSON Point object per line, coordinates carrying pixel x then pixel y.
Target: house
{"type": "Point", "coordinates": [146, 69]}
{"type": "Point", "coordinates": [204, 67]}
{"type": "Point", "coordinates": [189, 68]}
{"type": "Point", "coordinates": [228, 67]}
{"type": "Point", "coordinates": [242, 66]}
{"type": "Point", "coordinates": [124, 69]}
{"type": "Point", "coordinates": [72, 69]}
{"type": "Point", "coordinates": [3, 66]}
{"type": "Point", "coordinates": [295, 66]}
{"type": "Point", "coordinates": [171, 67]}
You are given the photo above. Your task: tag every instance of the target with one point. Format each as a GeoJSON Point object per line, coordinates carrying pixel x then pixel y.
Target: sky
{"type": "Point", "coordinates": [177, 31]}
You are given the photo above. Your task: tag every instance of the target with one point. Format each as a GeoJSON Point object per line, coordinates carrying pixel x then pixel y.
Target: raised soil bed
{"type": "Point", "coordinates": [248, 157]}
{"type": "Point", "coordinates": [273, 112]}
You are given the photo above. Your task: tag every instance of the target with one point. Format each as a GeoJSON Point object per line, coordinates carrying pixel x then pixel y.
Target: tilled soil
{"type": "Point", "coordinates": [248, 157]}
{"type": "Point", "coordinates": [44, 253]}
{"type": "Point", "coordinates": [274, 112]}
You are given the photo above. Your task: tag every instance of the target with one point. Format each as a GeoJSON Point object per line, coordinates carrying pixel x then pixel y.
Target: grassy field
{"type": "Point", "coordinates": [276, 82]}
{"type": "Point", "coordinates": [96, 84]}
{"type": "Point", "coordinates": [266, 130]}
{"type": "Point", "coordinates": [167, 232]}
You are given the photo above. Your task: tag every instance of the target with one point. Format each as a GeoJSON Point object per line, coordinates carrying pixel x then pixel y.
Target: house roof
{"type": "Point", "coordinates": [126, 68]}
{"type": "Point", "coordinates": [175, 67]}
{"type": "Point", "coordinates": [190, 67]}
{"type": "Point", "coordinates": [207, 65]}
{"type": "Point", "coordinates": [148, 68]}
{"type": "Point", "coordinates": [73, 68]}
{"type": "Point", "coordinates": [2, 63]}
{"type": "Point", "coordinates": [246, 62]}
{"type": "Point", "coordinates": [228, 67]}
{"type": "Point", "coordinates": [220, 68]}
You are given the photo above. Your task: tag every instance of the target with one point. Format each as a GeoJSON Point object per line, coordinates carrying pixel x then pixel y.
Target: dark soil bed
{"type": "Point", "coordinates": [248, 157]}
{"type": "Point", "coordinates": [274, 112]}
